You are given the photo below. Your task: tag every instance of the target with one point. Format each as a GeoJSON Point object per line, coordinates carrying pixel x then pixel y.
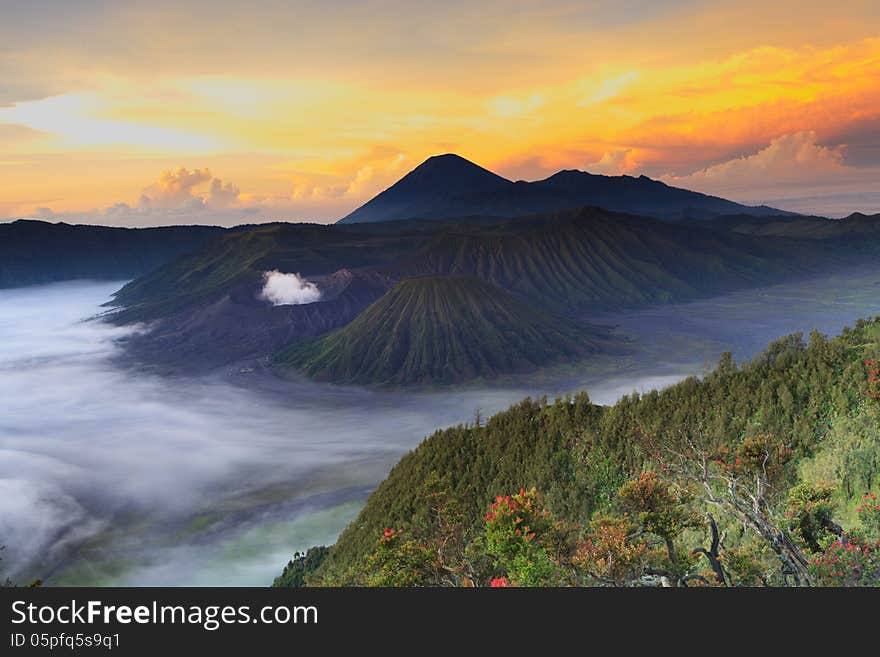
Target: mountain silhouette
{"type": "Point", "coordinates": [449, 186]}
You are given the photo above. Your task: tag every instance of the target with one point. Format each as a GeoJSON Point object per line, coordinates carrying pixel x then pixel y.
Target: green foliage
{"type": "Point", "coordinates": [518, 538]}
{"type": "Point", "coordinates": [869, 517]}
{"type": "Point", "coordinates": [578, 454]}
{"type": "Point", "coordinates": [398, 561]}
{"type": "Point", "coordinates": [533, 444]}
{"type": "Point", "coordinates": [873, 366]}
{"type": "Point", "coordinates": [849, 455]}
{"type": "Point", "coordinates": [300, 568]}
{"type": "Point", "coordinates": [600, 474]}
{"type": "Point", "coordinates": [744, 565]}
{"type": "Point", "coordinates": [854, 559]}
{"type": "Point", "coordinates": [658, 508]}
{"type": "Point", "coordinates": [810, 509]}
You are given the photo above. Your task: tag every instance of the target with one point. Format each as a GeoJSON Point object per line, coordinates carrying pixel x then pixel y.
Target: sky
{"type": "Point", "coordinates": [130, 113]}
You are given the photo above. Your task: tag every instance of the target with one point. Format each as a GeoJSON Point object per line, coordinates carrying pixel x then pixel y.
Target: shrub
{"type": "Point", "coordinates": [609, 554]}
{"type": "Point", "coordinates": [855, 562]}
{"type": "Point", "coordinates": [810, 512]}
{"type": "Point", "coordinates": [517, 533]}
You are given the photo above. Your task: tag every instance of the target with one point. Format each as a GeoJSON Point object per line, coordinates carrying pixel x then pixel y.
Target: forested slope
{"type": "Point", "coordinates": [795, 432]}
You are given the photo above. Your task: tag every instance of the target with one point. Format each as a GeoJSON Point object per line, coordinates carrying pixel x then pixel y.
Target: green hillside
{"type": "Point", "coordinates": [589, 259]}
{"type": "Point", "coordinates": [801, 422]}
{"type": "Point", "coordinates": [242, 257]}
{"type": "Point", "coordinates": [442, 330]}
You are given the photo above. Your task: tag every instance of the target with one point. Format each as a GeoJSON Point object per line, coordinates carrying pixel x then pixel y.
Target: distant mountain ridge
{"type": "Point", "coordinates": [449, 186]}
{"type": "Point", "coordinates": [37, 252]}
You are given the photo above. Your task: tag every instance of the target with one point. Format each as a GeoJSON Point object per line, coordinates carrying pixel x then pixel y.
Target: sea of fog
{"type": "Point", "coordinates": [112, 476]}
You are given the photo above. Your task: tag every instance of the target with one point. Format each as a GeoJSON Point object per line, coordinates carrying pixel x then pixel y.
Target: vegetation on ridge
{"type": "Point", "coordinates": [757, 474]}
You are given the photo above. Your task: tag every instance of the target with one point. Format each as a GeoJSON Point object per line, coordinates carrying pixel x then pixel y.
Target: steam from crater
{"type": "Point", "coordinates": [288, 289]}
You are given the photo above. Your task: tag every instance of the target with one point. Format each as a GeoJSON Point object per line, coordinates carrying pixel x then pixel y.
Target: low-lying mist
{"type": "Point", "coordinates": [118, 476]}
{"type": "Point", "coordinates": [111, 475]}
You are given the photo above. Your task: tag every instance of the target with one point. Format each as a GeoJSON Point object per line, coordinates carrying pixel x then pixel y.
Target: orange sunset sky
{"type": "Point", "coordinates": [149, 113]}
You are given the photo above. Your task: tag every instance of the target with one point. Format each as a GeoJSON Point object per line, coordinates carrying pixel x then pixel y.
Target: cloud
{"type": "Point", "coordinates": [174, 198]}
{"type": "Point", "coordinates": [608, 89]}
{"type": "Point", "coordinates": [309, 191]}
{"type": "Point", "coordinates": [862, 139]}
{"type": "Point", "coordinates": [196, 196]}
{"type": "Point", "coordinates": [795, 157]}
{"type": "Point", "coordinates": [680, 107]}
{"type": "Point", "coordinates": [374, 174]}
{"type": "Point", "coordinates": [615, 163]}
{"type": "Point", "coordinates": [13, 132]}
{"type": "Point", "coordinates": [514, 107]}
{"type": "Point", "coordinates": [794, 171]}
{"type": "Point", "coordinates": [176, 195]}
{"type": "Point", "coordinates": [175, 187]}
{"type": "Point", "coordinates": [288, 289]}
{"type": "Point", "coordinates": [223, 195]}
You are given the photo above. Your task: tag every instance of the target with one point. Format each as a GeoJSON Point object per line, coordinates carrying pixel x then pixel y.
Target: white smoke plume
{"type": "Point", "coordinates": [288, 289]}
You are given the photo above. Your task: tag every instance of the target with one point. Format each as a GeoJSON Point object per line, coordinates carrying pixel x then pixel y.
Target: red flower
{"type": "Point", "coordinates": [500, 582]}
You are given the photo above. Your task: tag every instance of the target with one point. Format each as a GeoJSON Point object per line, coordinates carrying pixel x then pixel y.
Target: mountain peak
{"type": "Point", "coordinates": [454, 170]}
{"type": "Point", "coordinates": [447, 157]}
{"type": "Point", "coordinates": [432, 189]}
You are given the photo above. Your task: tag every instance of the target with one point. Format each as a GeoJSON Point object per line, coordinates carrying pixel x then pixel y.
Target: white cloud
{"type": "Point", "coordinates": [288, 289]}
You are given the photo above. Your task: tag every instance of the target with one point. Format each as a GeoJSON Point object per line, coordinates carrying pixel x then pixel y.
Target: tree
{"type": "Point", "coordinates": [303, 564]}
{"type": "Point", "coordinates": [612, 552]}
{"type": "Point", "coordinates": [399, 560]}
{"type": "Point", "coordinates": [740, 483]}
{"type": "Point", "coordinates": [659, 508]}
{"type": "Point", "coordinates": [520, 538]}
